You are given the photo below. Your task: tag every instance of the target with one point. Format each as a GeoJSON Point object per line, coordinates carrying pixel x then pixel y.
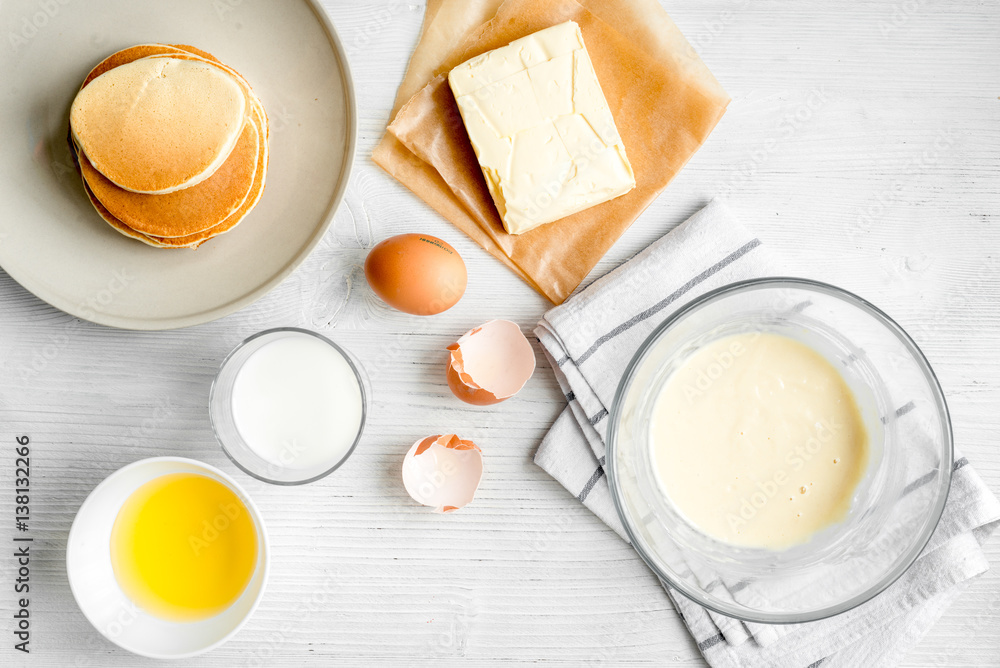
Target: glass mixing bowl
{"type": "Point", "coordinates": [895, 508]}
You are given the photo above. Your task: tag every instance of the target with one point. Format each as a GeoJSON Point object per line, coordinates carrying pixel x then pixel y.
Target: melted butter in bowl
{"type": "Point", "coordinates": [757, 441]}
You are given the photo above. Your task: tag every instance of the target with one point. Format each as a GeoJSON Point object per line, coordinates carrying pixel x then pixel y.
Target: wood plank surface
{"type": "Point", "coordinates": [862, 143]}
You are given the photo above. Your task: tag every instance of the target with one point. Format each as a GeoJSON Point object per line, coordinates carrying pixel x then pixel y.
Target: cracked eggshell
{"type": "Point", "coordinates": [443, 471]}
{"type": "Point", "coordinates": [490, 363]}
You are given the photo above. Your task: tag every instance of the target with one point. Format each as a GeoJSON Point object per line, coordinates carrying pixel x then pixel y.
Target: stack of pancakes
{"type": "Point", "coordinates": [171, 144]}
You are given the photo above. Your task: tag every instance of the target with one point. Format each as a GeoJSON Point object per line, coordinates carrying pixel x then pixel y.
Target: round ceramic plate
{"type": "Point", "coordinates": [52, 241]}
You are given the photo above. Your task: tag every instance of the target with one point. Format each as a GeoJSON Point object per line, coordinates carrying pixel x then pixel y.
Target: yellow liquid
{"type": "Point", "coordinates": [759, 441]}
{"type": "Point", "coordinates": [183, 547]}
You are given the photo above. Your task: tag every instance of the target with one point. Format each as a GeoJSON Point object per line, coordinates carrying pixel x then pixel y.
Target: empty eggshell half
{"type": "Point", "coordinates": [443, 472]}
{"type": "Point", "coordinates": [490, 363]}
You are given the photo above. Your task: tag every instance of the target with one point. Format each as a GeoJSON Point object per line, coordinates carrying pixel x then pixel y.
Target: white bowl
{"type": "Point", "coordinates": [93, 582]}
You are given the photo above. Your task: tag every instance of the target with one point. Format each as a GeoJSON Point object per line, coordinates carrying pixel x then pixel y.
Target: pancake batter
{"type": "Point", "coordinates": [758, 441]}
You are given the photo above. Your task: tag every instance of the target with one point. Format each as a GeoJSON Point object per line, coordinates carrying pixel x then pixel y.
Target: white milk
{"type": "Point", "coordinates": [297, 403]}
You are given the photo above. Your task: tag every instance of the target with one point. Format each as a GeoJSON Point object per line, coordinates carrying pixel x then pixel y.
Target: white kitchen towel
{"type": "Point", "coordinates": [589, 341]}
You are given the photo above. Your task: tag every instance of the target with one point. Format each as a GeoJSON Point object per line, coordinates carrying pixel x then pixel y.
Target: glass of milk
{"type": "Point", "coordinates": [288, 406]}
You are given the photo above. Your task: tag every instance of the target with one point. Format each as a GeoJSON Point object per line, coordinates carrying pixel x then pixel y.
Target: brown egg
{"type": "Point", "coordinates": [416, 273]}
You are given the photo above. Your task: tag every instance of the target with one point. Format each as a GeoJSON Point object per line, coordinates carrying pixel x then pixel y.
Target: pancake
{"type": "Point", "coordinates": [122, 227]}
{"type": "Point", "coordinates": [261, 121]}
{"type": "Point", "coordinates": [256, 115]}
{"type": "Point", "coordinates": [252, 98]}
{"type": "Point", "coordinates": [205, 56]}
{"type": "Point", "coordinates": [195, 240]}
{"type": "Point", "coordinates": [155, 126]}
{"type": "Point", "coordinates": [101, 211]}
{"type": "Point", "coordinates": [128, 55]}
{"type": "Point", "coordinates": [147, 50]}
{"type": "Point", "coordinates": [188, 211]}
{"type": "Point", "coordinates": [209, 58]}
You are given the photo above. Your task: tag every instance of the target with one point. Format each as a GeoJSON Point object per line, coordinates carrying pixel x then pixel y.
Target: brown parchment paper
{"type": "Point", "coordinates": [441, 33]}
{"type": "Point", "coordinates": [664, 100]}
{"type": "Point", "coordinates": [447, 23]}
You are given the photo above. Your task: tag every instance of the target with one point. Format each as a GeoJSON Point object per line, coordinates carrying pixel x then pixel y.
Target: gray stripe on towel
{"type": "Point", "coordinates": [601, 414]}
{"type": "Point", "coordinates": [589, 487]}
{"type": "Point", "coordinates": [901, 411]}
{"type": "Point", "coordinates": [930, 475]}
{"type": "Point", "coordinates": [663, 303]}
{"type": "Point", "coordinates": [739, 586]}
{"type": "Point", "coordinates": [710, 642]}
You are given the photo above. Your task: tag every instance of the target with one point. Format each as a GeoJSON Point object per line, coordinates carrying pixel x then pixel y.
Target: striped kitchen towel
{"type": "Point", "coordinates": [589, 341]}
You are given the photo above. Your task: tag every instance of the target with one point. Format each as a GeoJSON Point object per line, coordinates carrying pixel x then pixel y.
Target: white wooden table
{"type": "Point", "coordinates": [863, 143]}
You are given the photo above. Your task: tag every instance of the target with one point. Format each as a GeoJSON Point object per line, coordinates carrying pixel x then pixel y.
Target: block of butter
{"type": "Point", "coordinates": [541, 128]}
